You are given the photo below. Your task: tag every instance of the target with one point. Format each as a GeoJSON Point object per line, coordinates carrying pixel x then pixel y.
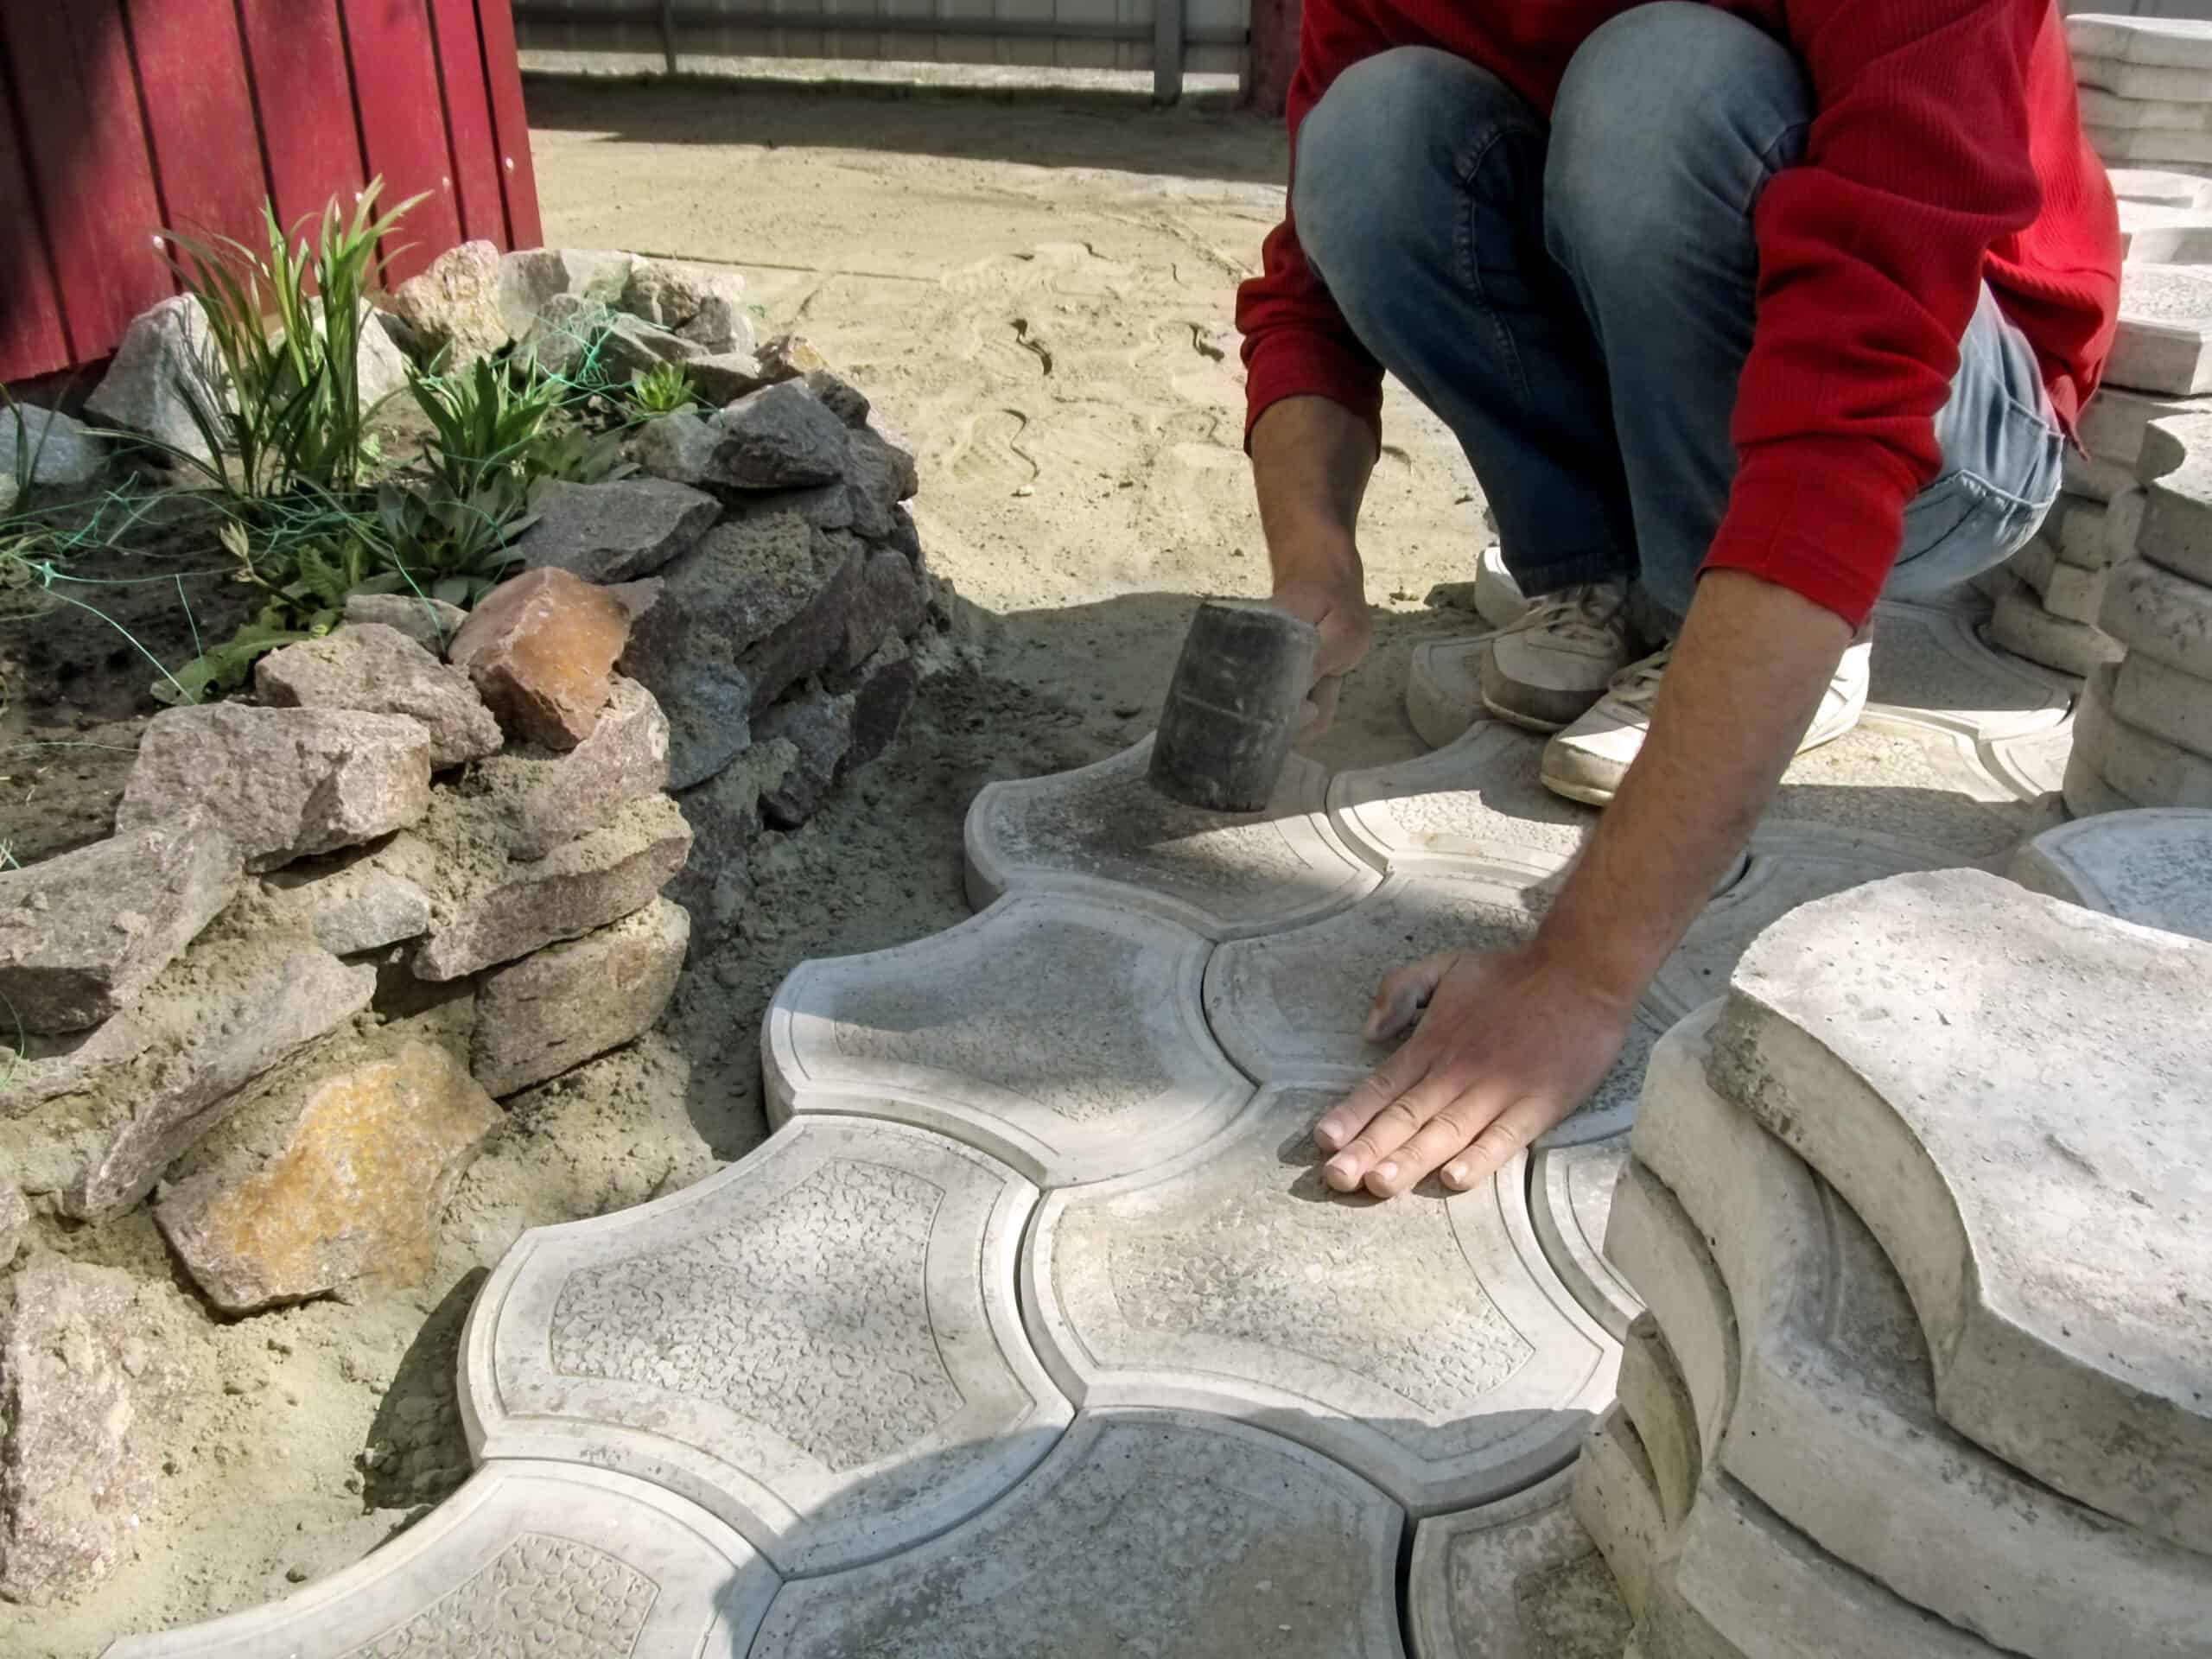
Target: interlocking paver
{"type": "Point", "coordinates": [2154, 867]}
{"type": "Point", "coordinates": [1616, 1497]}
{"type": "Point", "coordinates": [1288, 1007]}
{"type": "Point", "coordinates": [1163, 1533]}
{"type": "Point", "coordinates": [1478, 800]}
{"type": "Point", "coordinates": [526, 1558]}
{"type": "Point", "coordinates": [1425, 1343]}
{"type": "Point", "coordinates": [1658, 1401]}
{"type": "Point", "coordinates": [1927, 1045]}
{"type": "Point", "coordinates": [1902, 783]}
{"type": "Point", "coordinates": [1062, 1035]}
{"type": "Point", "coordinates": [1517, 1579]}
{"type": "Point", "coordinates": [1103, 832]}
{"type": "Point", "coordinates": [1834, 1424]}
{"type": "Point", "coordinates": [1930, 664]}
{"type": "Point", "coordinates": [1570, 1198]}
{"type": "Point", "coordinates": [1665, 1257]}
{"type": "Point", "coordinates": [819, 1343]}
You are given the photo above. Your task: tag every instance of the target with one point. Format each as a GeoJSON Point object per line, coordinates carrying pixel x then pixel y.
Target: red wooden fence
{"type": "Point", "coordinates": [120, 117]}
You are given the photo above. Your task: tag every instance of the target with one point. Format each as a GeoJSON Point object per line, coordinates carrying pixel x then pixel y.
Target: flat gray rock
{"type": "Point", "coordinates": [560, 1007]}
{"type": "Point", "coordinates": [1835, 1425]}
{"type": "Point", "coordinates": [2165, 311]}
{"type": "Point", "coordinates": [380, 670]}
{"type": "Point", "coordinates": [780, 437]}
{"type": "Point", "coordinates": [2054, 1255]}
{"type": "Point", "coordinates": [1145, 1532]}
{"type": "Point", "coordinates": [617, 530]}
{"type": "Point", "coordinates": [1062, 1036]}
{"type": "Point", "coordinates": [1424, 1342]}
{"type": "Point", "coordinates": [2152, 867]}
{"type": "Point", "coordinates": [1517, 1578]}
{"type": "Point", "coordinates": [1929, 666]}
{"type": "Point", "coordinates": [527, 1558]}
{"type": "Point", "coordinates": [1570, 1199]}
{"type": "Point", "coordinates": [545, 799]}
{"type": "Point", "coordinates": [820, 1344]}
{"type": "Point", "coordinates": [166, 347]}
{"type": "Point", "coordinates": [428, 622]}
{"type": "Point", "coordinates": [1477, 801]}
{"type": "Point", "coordinates": [1444, 690]}
{"type": "Point", "coordinates": [1103, 832]}
{"type": "Point", "coordinates": [1615, 1496]}
{"type": "Point", "coordinates": [1288, 1007]}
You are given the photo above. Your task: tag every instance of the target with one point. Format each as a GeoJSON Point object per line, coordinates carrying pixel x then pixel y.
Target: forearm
{"type": "Point", "coordinates": [1311, 460]}
{"type": "Point", "coordinates": [1745, 681]}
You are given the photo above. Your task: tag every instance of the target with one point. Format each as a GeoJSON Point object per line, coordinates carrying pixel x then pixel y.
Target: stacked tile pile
{"type": "Point", "coordinates": [2146, 89]}
{"type": "Point", "coordinates": [1922, 1369]}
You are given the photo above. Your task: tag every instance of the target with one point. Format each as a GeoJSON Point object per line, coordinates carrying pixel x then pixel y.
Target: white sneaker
{"type": "Point", "coordinates": [1498, 599]}
{"type": "Point", "coordinates": [1551, 666]}
{"type": "Point", "coordinates": [1587, 762]}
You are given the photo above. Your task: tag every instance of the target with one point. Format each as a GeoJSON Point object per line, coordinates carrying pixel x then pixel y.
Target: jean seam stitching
{"type": "Point", "coordinates": [1467, 167]}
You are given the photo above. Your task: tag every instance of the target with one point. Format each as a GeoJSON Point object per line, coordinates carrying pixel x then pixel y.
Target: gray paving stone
{"type": "Point", "coordinates": [2163, 702]}
{"type": "Point", "coordinates": [1834, 1424]}
{"type": "Point", "coordinates": [820, 1344]}
{"type": "Point", "coordinates": [1288, 1007]}
{"type": "Point", "coordinates": [1570, 1198]}
{"type": "Point", "coordinates": [1658, 1401]}
{"type": "Point", "coordinates": [2022, 625]}
{"type": "Point", "coordinates": [2139, 765]}
{"type": "Point", "coordinates": [2053, 1255]}
{"type": "Point", "coordinates": [1063, 1036]}
{"type": "Point", "coordinates": [2160, 188]}
{"type": "Point", "coordinates": [527, 1558]}
{"type": "Point", "coordinates": [2171, 42]}
{"type": "Point", "coordinates": [1478, 800]}
{"type": "Point", "coordinates": [2101, 481]}
{"type": "Point", "coordinates": [2126, 80]}
{"type": "Point", "coordinates": [2165, 311]}
{"type": "Point", "coordinates": [2152, 867]}
{"type": "Point", "coordinates": [1443, 693]}
{"type": "Point", "coordinates": [2157, 235]}
{"type": "Point", "coordinates": [1425, 1343]}
{"type": "Point", "coordinates": [2150, 146]}
{"type": "Point", "coordinates": [1517, 1578]}
{"type": "Point", "coordinates": [1762, 1588]}
{"type": "Point", "coordinates": [1145, 1532]}
{"type": "Point", "coordinates": [1103, 832]}
{"type": "Point", "coordinates": [1664, 1256]}
{"type": "Point", "coordinates": [2032, 766]}
{"type": "Point", "coordinates": [1931, 665]}
{"type": "Point", "coordinates": [1616, 1497]}
{"type": "Point", "coordinates": [2166, 618]}
{"type": "Point", "coordinates": [2069, 590]}
{"type": "Point", "coordinates": [2085, 791]}
{"type": "Point", "coordinates": [1900, 785]}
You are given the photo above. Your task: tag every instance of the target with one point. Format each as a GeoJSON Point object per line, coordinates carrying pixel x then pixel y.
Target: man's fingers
{"type": "Point", "coordinates": [1404, 994]}
{"type": "Point", "coordinates": [1512, 1130]}
{"type": "Point", "coordinates": [1320, 710]}
{"type": "Point", "coordinates": [1356, 1109]}
{"type": "Point", "coordinates": [1444, 1137]}
{"type": "Point", "coordinates": [1373, 1153]}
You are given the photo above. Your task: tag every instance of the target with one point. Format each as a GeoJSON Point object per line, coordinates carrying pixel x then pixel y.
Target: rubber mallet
{"type": "Point", "coordinates": [1233, 706]}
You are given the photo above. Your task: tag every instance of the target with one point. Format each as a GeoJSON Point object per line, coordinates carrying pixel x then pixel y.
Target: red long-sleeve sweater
{"type": "Point", "coordinates": [1946, 150]}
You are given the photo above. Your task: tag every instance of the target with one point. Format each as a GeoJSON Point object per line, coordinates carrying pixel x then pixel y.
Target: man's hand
{"type": "Point", "coordinates": [1339, 609]}
{"type": "Point", "coordinates": [1310, 462]}
{"type": "Point", "coordinates": [1510, 1044]}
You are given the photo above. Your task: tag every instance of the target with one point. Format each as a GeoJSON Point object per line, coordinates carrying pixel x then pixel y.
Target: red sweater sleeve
{"type": "Point", "coordinates": [1296, 342]}
{"type": "Point", "coordinates": [1871, 257]}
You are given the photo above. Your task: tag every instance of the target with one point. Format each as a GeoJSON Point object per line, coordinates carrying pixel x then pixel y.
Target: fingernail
{"type": "Point", "coordinates": [1457, 1174]}
{"type": "Point", "coordinates": [1386, 1173]}
{"type": "Point", "coordinates": [1329, 1135]}
{"type": "Point", "coordinates": [1341, 1173]}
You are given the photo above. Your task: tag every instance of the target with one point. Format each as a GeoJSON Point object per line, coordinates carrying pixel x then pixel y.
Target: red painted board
{"type": "Point", "coordinates": [495, 22]}
{"type": "Point", "coordinates": [402, 125]}
{"type": "Point", "coordinates": [32, 340]}
{"type": "Point", "coordinates": [199, 115]}
{"type": "Point", "coordinates": [89, 163]}
{"type": "Point", "coordinates": [468, 120]}
{"type": "Point", "coordinates": [295, 56]}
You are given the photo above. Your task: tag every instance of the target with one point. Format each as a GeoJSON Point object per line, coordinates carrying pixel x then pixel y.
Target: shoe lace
{"type": "Point", "coordinates": [1587, 611]}
{"type": "Point", "coordinates": [1638, 685]}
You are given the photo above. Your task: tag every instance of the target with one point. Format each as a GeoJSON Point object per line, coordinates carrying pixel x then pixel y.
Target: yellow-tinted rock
{"type": "Point", "coordinates": [331, 1181]}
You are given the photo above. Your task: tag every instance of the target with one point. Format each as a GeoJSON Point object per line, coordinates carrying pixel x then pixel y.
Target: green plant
{"type": "Point", "coordinates": [577, 455]}
{"type": "Point", "coordinates": [281, 388]}
{"type": "Point", "coordinates": [483, 424]}
{"type": "Point", "coordinates": [451, 547]}
{"type": "Point", "coordinates": [663, 390]}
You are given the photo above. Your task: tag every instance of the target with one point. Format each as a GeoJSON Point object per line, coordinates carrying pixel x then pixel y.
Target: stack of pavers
{"type": "Point", "coordinates": [1922, 1214]}
{"type": "Point", "coordinates": [2139, 79]}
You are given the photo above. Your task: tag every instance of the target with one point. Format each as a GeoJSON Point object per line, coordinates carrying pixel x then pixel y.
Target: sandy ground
{"type": "Point", "coordinates": [1038, 298]}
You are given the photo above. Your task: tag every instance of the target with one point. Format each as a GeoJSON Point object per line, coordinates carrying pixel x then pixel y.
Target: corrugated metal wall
{"type": "Point", "coordinates": [119, 117]}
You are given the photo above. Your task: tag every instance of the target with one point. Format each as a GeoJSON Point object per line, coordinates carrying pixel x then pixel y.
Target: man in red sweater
{"type": "Point", "coordinates": [1745, 314]}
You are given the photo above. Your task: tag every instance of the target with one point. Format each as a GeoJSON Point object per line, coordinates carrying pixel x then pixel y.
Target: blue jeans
{"type": "Point", "coordinates": [1576, 302]}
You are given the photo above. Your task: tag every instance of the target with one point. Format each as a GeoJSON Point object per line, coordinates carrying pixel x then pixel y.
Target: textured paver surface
{"type": "Point", "coordinates": [1033, 1328]}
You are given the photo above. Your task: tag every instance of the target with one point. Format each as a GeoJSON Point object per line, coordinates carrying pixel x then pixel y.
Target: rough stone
{"type": "Point", "coordinates": [881, 475]}
{"type": "Point", "coordinates": [887, 603]}
{"type": "Point", "coordinates": [72, 1062]}
{"type": "Point", "coordinates": [2165, 319]}
{"type": "Point", "coordinates": [1425, 1344]}
{"type": "Point", "coordinates": [545, 799]}
{"type": "Point", "coordinates": [2166, 618]}
{"type": "Point", "coordinates": [569, 1002]}
{"type": "Point", "coordinates": [724, 817]}
{"type": "Point", "coordinates": [2165, 701]}
{"type": "Point", "coordinates": [166, 349]}
{"type": "Point", "coordinates": [1288, 1007]}
{"type": "Point", "coordinates": [541, 648]}
{"type": "Point", "coordinates": [820, 1344]}
{"type": "Point", "coordinates": [331, 1181]}
{"type": "Point", "coordinates": [1658, 1401]}
{"type": "Point", "coordinates": [1570, 1200]}
{"type": "Point", "coordinates": [819, 729]}
{"type": "Point", "coordinates": [2153, 867]}
{"type": "Point", "coordinates": [703, 303]}
{"type": "Point", "coordinates": [358, 902]}
{"type": "Point", "coordinates": [2100, 481]}
{"type": "Point", "coordinates": [614, 532]}
{"type": "Point", "coordinates": [791, 356]}
{"type": "Point", "coordinates": [679, 447]}
{"type": "Point", "coordinates": [2146, 770]}
{"type": "Point", "coordinates": [15, 1223]}
{"type": "Point", "coordinates": [1142, 1531]}
{"type": "Point", "coordinates": [537, 1558]}
{"type": "Point", "coordinates": [2051, 1255]}
{"type": "Point", "coordinates": [2072, 591]}
{"type": "Point", "coordinates": [283, 783]}
{"type": "Point", "coordinates": [82, 934]}
{"type": "Point", "coordinates": [1834, 1422]}
{"type": "Point", "coordinates": [841, 398]}
{"type": "Point", "coordinates": [453, 306]}
{"type": "Point", "coordinates": [780, 437]}
{"type": "Point", "coordinates": [428, 622]}
{"type": "Point", "coordinates": [582, 341]}
{"type": "Point", "coordinates": [89, 1366]}
{"type": "Point", "coordinates": [1517, 1578]}
{"type": "Point", "coordinates": [528, 277]}
{"type": "Point", "coordinates": [1615, 1496]}
{"type": "Point", "coordinates": [2020, 624]}
{"type": "Point", "coordinates": [1103, 832]}
{"type": "Point", "coordinates": [379, 670]}
{"type": "Point", "coordinates": [489, 911]}
{"type": "Point", "coordinates": [889, 682]}
{"type": "Point", "coordinates": [54, 448]}
{"type": "Point", "coordinates": [723, 378]}
{"type": "Point", "coordinates": [979, 1031]}
{"type": "Point", "coordinates": [2175, 533]}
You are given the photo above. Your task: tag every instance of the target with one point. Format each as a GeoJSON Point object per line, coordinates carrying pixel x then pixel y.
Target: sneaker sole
{"type": "Point", "coordinates": [1526, 722]}
{"type": "Point", "coordinates": [1591, 795]}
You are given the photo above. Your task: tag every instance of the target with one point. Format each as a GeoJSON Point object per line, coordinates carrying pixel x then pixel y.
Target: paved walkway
{"type": "Point", "coordinates": [1034, 1331]}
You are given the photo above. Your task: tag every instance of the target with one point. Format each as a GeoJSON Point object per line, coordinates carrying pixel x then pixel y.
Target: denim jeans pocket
{"type": "Point", "coordinates": [1955, 529]}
